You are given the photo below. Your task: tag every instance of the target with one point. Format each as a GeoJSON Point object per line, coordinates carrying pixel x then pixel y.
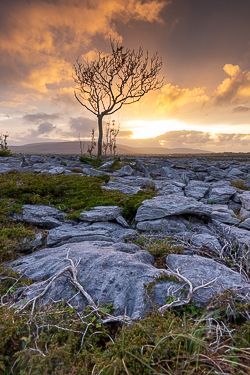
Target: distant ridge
{"type": "Point", "coordinates": [73, 148]}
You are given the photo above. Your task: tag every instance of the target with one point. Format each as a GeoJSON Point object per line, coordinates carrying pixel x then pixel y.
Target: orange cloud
{"type": "Point", "coordinates": [45, 36]}
{"type": "Point", "coordinates": [234, 88]}
{"type": "Point", "coordinates": [173, 97]}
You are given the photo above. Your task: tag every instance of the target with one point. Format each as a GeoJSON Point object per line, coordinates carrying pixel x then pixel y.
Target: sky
{"type": "Point", "coordinates": [204, 45]}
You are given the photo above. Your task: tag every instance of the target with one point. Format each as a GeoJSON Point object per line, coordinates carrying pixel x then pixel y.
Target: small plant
{"type": "Point", "coordinates": [92, 145]}
{"type": "Point", "coordinates": [4, 150]}
{"type": "Point", "coordinates": [111, 131]}
{"type": "Point", "coordinates": [94, 162]}
{"type": "Point", "coordinates": [81, 144]}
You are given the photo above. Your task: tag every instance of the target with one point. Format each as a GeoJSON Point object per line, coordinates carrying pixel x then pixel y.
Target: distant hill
{"type": "Point", "coordinates": [73, 148]}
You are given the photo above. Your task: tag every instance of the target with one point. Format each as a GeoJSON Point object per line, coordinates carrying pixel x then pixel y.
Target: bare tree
{"type": "Point", "coordinates": [123, 77]}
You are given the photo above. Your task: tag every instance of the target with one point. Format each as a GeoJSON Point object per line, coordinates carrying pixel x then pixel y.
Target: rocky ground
{"type": "Point", "coordinates": [203, 205]}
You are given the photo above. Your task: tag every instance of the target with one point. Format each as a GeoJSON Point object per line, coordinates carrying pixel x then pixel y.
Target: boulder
{"type": "Point", "coordinates": [221, 192]}
{"type": "Point", "coordinates": [223, 214]}
{"type": "Point", "coordinates": [169, 205]}
{"type": "Point", "coordinates": [124, 171]}
{"type": "Point", "coordinates": [171, 189]}
{"type": "Point", "coordinates": [108, 274]}
{"type": "Point", "coordinates": [125, 189]}
{"type": "Point", "coordinates": [42, 216]}
{"type": "Point", "coordinates": [206, 240]}
{"type": "Point", "coordinates": [101, 213]}
{"type": "Point", "coordinates": [245, 224]}
{"type": "Point", "coordinates": [197, 189]}
{"type": "Point", "coordinates": [201, 270]}
{"type": "Point", "coordinates": [92, 172]}
{"type": "Point", "coordinates": [169, 225]}
{"type": "Point", "coordinates": [103, 231]}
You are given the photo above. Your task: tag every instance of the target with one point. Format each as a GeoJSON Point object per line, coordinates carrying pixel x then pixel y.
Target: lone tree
{"type": "Point", "coordinates": [111, 81]}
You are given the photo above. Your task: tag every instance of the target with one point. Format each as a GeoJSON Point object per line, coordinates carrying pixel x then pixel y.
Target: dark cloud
{"type": "Point", "coordinates": [45, 127]}
{"type": "Point", "coordinates": [36, 118]}
{"type": "Point", "coordinates": [240, 109]}
{"type": "Point", "coordinates": [82, 125]}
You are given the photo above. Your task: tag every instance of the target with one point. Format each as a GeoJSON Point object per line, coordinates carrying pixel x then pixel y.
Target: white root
{"type": "Point", "coordinates": [184, 301]}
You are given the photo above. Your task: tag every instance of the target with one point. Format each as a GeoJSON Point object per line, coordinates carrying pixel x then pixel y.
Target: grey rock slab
{"type": "Point", "coordinates": [124, 171]}
{"type": "Point", "coordinates": [245, 214]}
{"type": "Point", "coordinates": [206, 240]}
{"type": "Point", "coordinates": [168, 205]}
{"type": "Point", "coordinates": [122, 221]}
{"type": "Point", "coordinates": [234, 173]}
{"type": "Point", "coordinates": [101, 213]}
{"type": "Point", "coordinates": [169, 225]}
{"type": "Point", "coordinates": [103, 231]}
{"type": "Point", "coordinates": [221, 193]}
{"type": "Point", "coordinates": [223, 214]}
{"type": "Point", "coordinates": [141, 182]}
{"type": "Point", "coordinates": [197, 189]}
{"type": "Point", "coordinates": [106, 273]}
{"type": "Point", "coordinates": [171, 189]}
{"type": "Point", "coordinates": [4, 168]}
{"type": "Point", "coordinates": [245, 224]}
{"type": "Point", "coordinates": [93, 172]}
{"type": "Point", "coordinates": [56, 170]}
{"type": "Point", "coordinates": [43, 216]}
{"type": "Point", "coordinates": [170, 174]}
{"type": "Point", "coordinates": [125, 189]}
{"type": "Point", "coordinates": [245, 200]}
{"type": "Point", "coordinates": [200, 270]}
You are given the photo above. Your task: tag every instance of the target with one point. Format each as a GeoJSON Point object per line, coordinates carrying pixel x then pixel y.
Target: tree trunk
{"type": "Point", "coordinates": [99, 148]}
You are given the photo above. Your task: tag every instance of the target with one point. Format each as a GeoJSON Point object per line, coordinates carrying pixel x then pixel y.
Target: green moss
{"type": "Point", "coordinates": [90, 161]}
{"type": "Point", "coordinates": [4, 153]}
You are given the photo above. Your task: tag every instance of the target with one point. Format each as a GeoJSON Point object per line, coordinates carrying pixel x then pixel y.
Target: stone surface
{"type": "Point", "coordinates": [200, 270]}
{"type": "Point", "coordinates": [162, 206]}
{"type": "Point", "coordinates": [206, 240]}
{"type": "Point", "coordinates": [106, 273]}
{"type": "Point", "coordinates": [103, 231]}
{"type": "Point", "coordinates": [101, 213]}
{"type": "Point", "coordinates": [171, 189]}
{"type": "Point", "coordinates": [169, 225]}
{"type": "Point", "coordinates": [42, 216]}
{"type": "Point", "coordinates": [125, 189]}
{"type": "Point", "coordinates": [124, 171]}
{"type": "Point", "coordinates": [221, 192]}
{"type": "Point", "coordinates": [197, 189]}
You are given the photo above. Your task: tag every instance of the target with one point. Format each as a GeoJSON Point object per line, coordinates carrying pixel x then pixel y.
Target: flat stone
{"type": "Point", "coordinates": [93, 172]}
{"type": "Point", "coordinates": [125, 189]}
{"type": "Point", "coordinates": [124, 171]}
{"type": "Point", "coordinates": [197, 189]}
{"type": "Point", "coordinates": [171, 189]}
{"type": "Point", "coordinates": [200, 270]}
{"type": "Point", "coordinates": [245, 224]}
{"type": "Point", "coordinates": [221, 192]}
{"type": "Point", "coordinates": [101, 213]}
{"type": "Point", "coordinates": [108, 274]}
{"type": "Point", "coordinates": [245, 200]}
{"type": "Point", "coordinates": [169, 225]}
{"type": "Point", "coordinates": [169, 205]}
{"type": "Point", "coordinates": [108, 232]}
{"type": "Point", "coordinates": [206, 240]}
{"type": "Point", "coordinates": [43, 216]}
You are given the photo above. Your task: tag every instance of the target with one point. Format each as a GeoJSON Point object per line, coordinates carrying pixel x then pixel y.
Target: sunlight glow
{"type": "Point", "coordinates": [146, 129]}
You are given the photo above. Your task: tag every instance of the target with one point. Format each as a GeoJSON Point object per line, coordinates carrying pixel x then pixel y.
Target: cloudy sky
{"type": "Point", "coordinates": [205, 47]}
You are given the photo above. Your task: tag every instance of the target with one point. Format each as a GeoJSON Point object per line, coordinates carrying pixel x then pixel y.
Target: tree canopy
{"type": "Point", "coordinates": [113, 80]}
